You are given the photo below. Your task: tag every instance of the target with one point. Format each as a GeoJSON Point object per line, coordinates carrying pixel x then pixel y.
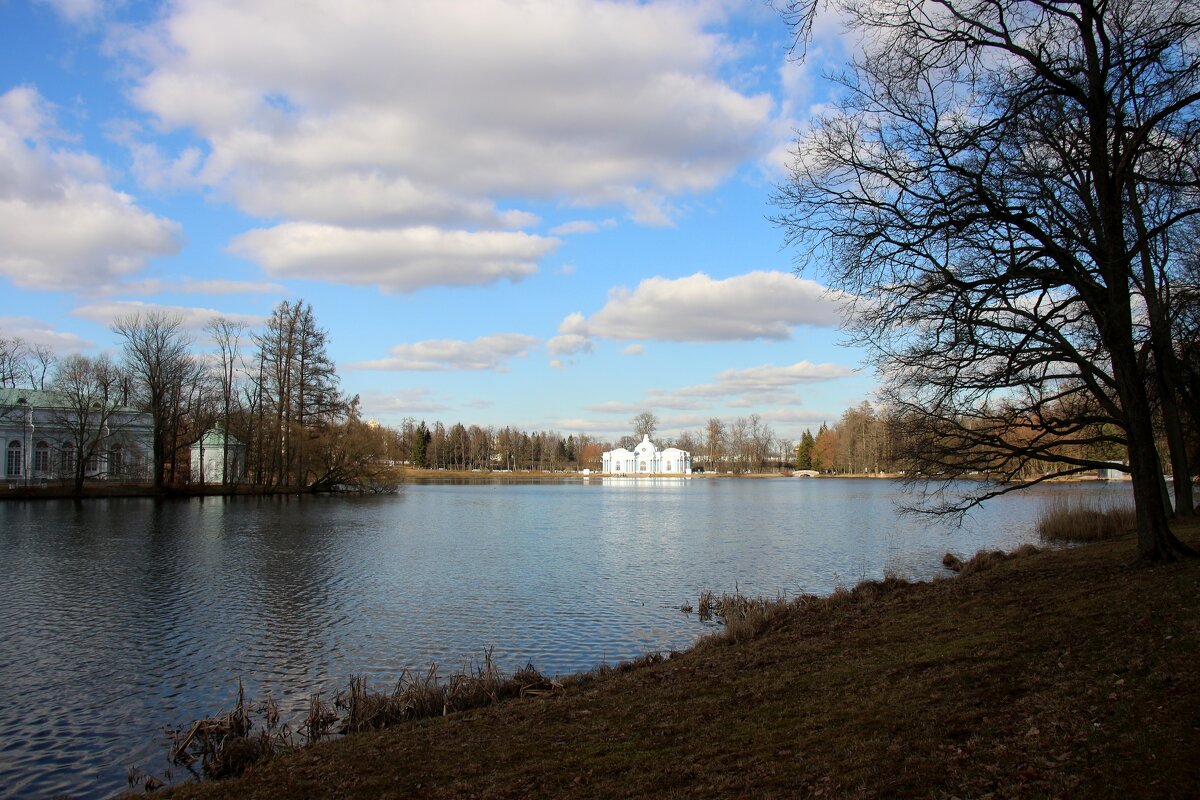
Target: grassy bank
{"type": "Point", "coordinates": [1070, 673]}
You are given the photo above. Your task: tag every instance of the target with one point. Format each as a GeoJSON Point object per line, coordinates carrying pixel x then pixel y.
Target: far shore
{"type": "Point", "coordinates": [16, 490]}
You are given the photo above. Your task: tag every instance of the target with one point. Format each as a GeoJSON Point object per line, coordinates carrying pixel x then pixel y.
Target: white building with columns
{"type": "Point", "coordinates": [647, 459]}
{"type": "Point", "coordinates": [40, 443]}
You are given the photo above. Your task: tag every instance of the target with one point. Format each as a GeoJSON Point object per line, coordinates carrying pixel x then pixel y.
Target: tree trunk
{"type": "Point", "coordinates": [1155, 541]}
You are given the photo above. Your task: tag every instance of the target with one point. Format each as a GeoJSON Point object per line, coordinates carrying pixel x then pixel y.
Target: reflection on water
{"type": "Point", "coordinates": [124, 615]}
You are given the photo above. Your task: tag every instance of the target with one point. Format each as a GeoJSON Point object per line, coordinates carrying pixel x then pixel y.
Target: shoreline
{"type": "Point", "coordinates": [1065, 671]}
{"type": "Point", "coordinates": [96, 490]}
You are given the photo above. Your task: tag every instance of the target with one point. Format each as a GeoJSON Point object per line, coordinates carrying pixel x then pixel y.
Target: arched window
{"type": "Point", "coordinates": [41, 458]}
{"type": "Point", "coordinates": [115, 465]}
{"type": "Point", "coordinates": [643, 466]}
{"type": "Point", "coordinates": [14, 460]}
{"type": "Point", "coordinates": [669, 466]}
{"type": "Point", "coordinates": [68, 461]}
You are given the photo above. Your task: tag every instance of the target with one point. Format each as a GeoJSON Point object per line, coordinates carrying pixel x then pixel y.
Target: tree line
{"type": "Point", "coordinates": [273, 392]}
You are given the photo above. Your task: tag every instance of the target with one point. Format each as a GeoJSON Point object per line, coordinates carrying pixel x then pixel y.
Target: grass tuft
{"type": "Point", "coordinates": [227, 744]}
{"type": "Point", "coordinates": [1085, 522]}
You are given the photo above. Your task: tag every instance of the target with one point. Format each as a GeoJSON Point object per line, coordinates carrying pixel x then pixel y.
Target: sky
{"type": "Point", "coordinates": [546, 214]}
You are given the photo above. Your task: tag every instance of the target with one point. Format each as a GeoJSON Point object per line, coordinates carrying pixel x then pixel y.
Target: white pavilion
{"type": "Point", "coordinates": [647, 459]}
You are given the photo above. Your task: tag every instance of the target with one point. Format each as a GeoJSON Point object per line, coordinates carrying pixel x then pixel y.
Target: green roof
{"type": "Point", "coordinates": [38, 398]}
{"type": "Point", "coordinates": [215, 437]}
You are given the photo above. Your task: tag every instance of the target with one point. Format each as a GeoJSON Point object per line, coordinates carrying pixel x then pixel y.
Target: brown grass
{"type": "Point", "coordinates": [1065, 673]}
{"type": "Point", "coordinates": [1096, 521]}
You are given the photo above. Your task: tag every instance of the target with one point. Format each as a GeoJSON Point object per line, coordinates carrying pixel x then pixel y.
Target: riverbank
{"type": "Point", "coordinates": [1067, 673]}
{"type": "Point", "coordinates": [96, 490]}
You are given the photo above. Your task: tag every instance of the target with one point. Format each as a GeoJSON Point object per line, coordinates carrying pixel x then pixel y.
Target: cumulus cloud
{"type": "Point", "coordinates": [581, 226]}
{"type": "Point", "coordinates": [357, 112]}
{"type": "Point", "coordinates": [192, 286]}
{"type": "Point", "coordinates": [193, 318]}
{"type": "Point", "coordinates": [401, 260]}
{"type": "Point", "coordinates": [569, 344]}
{"type": "Point", "coordinates": [401, 402]}
{"type": "Point", "coordinates": [756, 388]}
{"type": "Point", "coordinates": [767, 378]}
{"type": "Point", "coordinates": [38, 332]}
{"type": "Point", "coordinates": [758, 305]}
{"type": "Point", "coordinates": [492, 352]}
{"type": "Point", "coordinates": [62, 226]}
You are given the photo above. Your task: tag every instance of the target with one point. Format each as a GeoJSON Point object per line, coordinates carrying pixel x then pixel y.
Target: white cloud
{"type": "Point", "coordinates": [77, 12]}
{"type": "Point", "coordinates": [581, 226]}
{"type": "Point", "coordinates": [399, 260]}
{"type": "Point", "coordinates": [767, 384]}
{"type": "Point", "coordinates": [634, 350]}
{"type": "Point", "coordinates": [61, 225]}
{"type": "Point", "coordinates": [401, 402]}
{"type": "Point", "coordinates": [754, 388]}
{"type": "Point", "coordinates": [192, 286]}
{"type": "Point", "coordinates": [569, 344]}
{"type": "Point", "coordinates": [440, 355]}
{"type": "Point", "coordinates": [193, 318]}
{"type": "Point", "coordinates": [37, 332]}
{"type": "Point", "coordinates": [359, 112]}
{"type": "Point", "coordinates": [758, 305]}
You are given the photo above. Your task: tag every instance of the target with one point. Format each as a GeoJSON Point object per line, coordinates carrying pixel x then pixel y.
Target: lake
{"type": "Point", "coordinates": [122, 616]}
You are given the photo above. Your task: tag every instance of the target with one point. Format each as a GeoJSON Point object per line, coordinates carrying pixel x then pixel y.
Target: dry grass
{"type": "Point", "coordinates": [227, 744]}
{"type": "Point", "coordinates": [1096, 521]}
{"type": "Point", "coordinates": [1066, 673]}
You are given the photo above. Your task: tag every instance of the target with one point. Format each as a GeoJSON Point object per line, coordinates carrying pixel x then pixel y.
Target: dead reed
{"type": "Point", "coordinates": [1094, 521]}
{"type": "Point", "coordinates": [227, 744]}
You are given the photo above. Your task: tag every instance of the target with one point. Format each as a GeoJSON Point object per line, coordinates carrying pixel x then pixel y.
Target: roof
{"type": "Point", "coordinates": [40, 398]}
{"type": "Point", "coordinates": [35, 398]}
{"type": "Point", "coordinates": [215, 437]}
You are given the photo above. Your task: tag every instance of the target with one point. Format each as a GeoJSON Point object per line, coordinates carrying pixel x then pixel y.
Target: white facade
{"type": "Point", "coordinates": [208, 459]}
{"type": "Point", "coordinates": [40, 446]}
{"type": "Point", "coordinates": [647, 459]}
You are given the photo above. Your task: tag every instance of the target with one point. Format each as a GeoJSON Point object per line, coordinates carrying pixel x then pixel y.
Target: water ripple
{"type": "Point", "coordinates": [121, 616]}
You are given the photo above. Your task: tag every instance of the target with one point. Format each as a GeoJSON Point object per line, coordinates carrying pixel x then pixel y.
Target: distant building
{"type": "Point", "coordinates": [40, 446]}
{"type": "Point", "coordinates": [647, 459]}
{"type": "Point", "coordinates": [208, 458]}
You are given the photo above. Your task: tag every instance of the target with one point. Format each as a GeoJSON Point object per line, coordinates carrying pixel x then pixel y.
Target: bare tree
{"type": "Point", "coordinates": [227, 335]}
{"type": "Point", "coordinates": [39, 364]}
{"type": "Point", "coordinates": [644, 424]}
{"type": "Point", "coordinates": [13, 361]}
{"type": "Point", "coordinates": [89, 398]}
{"type": "Point", "coordinates": [998, 190]}
{"type": "Point", "coordinates": [714, 443]}
{"type": "Point", "coordinates": [298, 388]}
{"type": "Point", "coordinates": [157, 358]}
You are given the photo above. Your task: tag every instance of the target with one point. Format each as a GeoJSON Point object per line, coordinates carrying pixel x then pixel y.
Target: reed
{"type": "Point", "coordinates": [227, 744]}
{"type": "Point", "coordinates": [1095, 521]}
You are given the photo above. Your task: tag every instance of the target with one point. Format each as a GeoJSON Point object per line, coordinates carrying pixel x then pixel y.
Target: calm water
{"type": "Point", "coordinates": [121, 616]}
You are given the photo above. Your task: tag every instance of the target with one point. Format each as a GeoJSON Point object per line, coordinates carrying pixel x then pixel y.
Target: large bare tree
{"type": "Point", "coordinates": [227, 336]}
{"type": "Point", "coordinates": [644, 424]}
{"type": "Point", "coordinates": [89, 393]}
{"type": "Point", "coordinates": [999, 189]}
{"type": "Point", "coordinates": [157, 357]}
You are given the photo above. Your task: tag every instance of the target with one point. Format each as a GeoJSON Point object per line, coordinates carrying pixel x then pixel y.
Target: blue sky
{"type": "Point", "coordinates": [545, 214]}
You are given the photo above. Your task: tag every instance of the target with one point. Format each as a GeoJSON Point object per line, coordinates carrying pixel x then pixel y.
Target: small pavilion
{"type": "Point", "coordinates": [647, 459]}
{"type": "Point", "coordinates": [208, 458]}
